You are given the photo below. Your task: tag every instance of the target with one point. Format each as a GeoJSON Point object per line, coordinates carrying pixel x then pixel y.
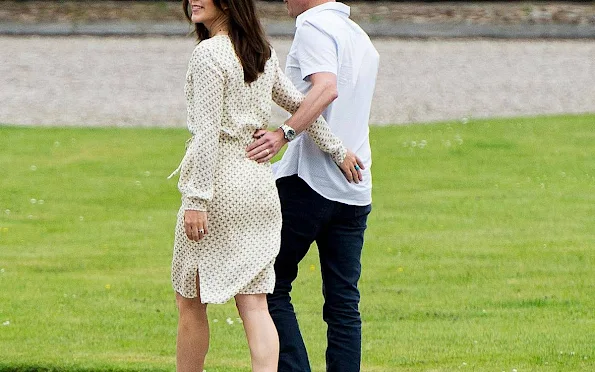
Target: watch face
{"type": "Point", "coordinates": [289, 132]}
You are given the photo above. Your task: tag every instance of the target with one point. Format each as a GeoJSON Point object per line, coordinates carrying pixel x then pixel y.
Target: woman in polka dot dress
{"type": "Point", "coordinates": [229, 225]}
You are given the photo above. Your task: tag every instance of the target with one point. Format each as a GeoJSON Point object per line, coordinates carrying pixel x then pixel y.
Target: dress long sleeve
{"type": "Point", "coordinates": [286, 95]}
{"type": "Point", "coordinates": [204, 89]}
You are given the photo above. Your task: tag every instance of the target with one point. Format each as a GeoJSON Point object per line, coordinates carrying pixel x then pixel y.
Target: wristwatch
{"type": "Point", "coordinates": [289, 132]}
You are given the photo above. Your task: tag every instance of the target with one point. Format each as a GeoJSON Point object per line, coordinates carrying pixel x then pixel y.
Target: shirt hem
{"type": "Point", "coordinates": [338, 200]}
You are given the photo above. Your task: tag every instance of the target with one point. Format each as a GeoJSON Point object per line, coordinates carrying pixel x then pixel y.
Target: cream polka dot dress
{"type": "Point", "coordinates": [238, 194]}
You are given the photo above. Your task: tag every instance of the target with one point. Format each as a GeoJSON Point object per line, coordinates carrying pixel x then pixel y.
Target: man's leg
{"type": "Point", "coordinates": [340, 246]}
{"type": "Point", "coordinates": [302, 210]}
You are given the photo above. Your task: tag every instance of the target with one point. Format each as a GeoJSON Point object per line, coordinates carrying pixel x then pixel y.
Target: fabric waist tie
{"type": "Point", "coordinates": [188, 141]}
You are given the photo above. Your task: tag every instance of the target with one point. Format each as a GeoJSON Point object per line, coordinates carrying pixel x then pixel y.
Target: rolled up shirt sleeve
{"type": "Point", "coordinates": [317, 51]}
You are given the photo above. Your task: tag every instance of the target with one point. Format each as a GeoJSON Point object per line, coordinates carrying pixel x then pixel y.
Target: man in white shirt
{"type": "Point", "coordinates": [334, 63]}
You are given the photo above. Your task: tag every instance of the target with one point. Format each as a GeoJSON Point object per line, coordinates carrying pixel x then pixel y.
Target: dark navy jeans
{"type": "Point", "coordinates": [338, 230]}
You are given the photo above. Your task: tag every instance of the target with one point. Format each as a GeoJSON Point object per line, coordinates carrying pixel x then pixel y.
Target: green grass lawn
{"type": "Point", "coordinates": [479, 254]}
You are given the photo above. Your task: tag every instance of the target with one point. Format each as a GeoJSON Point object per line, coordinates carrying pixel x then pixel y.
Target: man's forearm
{"type": "Point", "coordinates": [316, 101]}
{"type": "Point", "coordinates": [322, 93]}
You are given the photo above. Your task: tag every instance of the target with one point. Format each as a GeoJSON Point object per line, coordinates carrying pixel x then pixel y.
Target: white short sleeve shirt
{"type": "Point", "coordinates": [326, 40]}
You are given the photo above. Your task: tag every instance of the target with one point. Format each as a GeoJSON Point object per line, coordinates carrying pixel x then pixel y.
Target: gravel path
{"type": "Point", "coordinates": [139, 81]}
{"type": "Point", "coordinates": [449, 12]}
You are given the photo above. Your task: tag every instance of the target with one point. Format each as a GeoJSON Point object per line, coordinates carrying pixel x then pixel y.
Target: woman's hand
{"type": "Point", "coordinates": [195, 224]}
{"type": "Point", "coordinates": [351, 167]}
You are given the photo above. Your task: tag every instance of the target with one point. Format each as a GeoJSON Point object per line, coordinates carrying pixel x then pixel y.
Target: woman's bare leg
{"type": "Point", "coordinates": [193, 333]}
{"type": "Point", "coordinates": [260, 331]}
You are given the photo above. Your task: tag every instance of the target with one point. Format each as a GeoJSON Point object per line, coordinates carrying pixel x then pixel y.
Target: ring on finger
{"type": "Point", "coordinates": [357, 167]}
{"type": "Point", "coordinates": [268, 152]}
{"type": "Point", "coordinates": [201, 231]}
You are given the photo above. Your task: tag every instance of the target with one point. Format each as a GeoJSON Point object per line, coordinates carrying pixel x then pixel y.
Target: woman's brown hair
{"type": "Point", "coordinates": [245, 31]}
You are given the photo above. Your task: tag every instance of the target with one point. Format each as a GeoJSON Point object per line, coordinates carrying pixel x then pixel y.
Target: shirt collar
{"type": "Point", "coordinates": [340, 7]}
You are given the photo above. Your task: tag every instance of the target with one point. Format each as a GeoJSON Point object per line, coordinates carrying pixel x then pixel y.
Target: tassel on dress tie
{"type": "Point", "coordinates": [188, 141]}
